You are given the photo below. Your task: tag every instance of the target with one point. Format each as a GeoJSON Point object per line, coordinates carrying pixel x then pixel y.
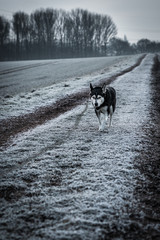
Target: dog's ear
{"type": "Point", "coordinates": [91, 87]}
{"type": "Point", "coordinates": [104, 87]}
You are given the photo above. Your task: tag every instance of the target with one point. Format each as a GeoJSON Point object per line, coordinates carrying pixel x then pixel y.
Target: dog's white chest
{"type": "Point", "coordinates": [102, 110]}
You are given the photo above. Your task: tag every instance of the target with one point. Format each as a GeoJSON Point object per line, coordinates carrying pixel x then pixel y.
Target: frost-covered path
{"type": "Point", "coordinates": [66, 180]}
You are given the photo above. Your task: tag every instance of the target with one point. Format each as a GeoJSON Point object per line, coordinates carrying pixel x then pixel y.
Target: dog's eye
{"type": "Point", "coordinates": [94, 97]}
{"type": "Point", "coordinates": [98, 97]}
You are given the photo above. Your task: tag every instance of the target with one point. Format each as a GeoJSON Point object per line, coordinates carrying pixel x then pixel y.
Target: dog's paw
{"type": "Point", "coordinates": [101, 128]}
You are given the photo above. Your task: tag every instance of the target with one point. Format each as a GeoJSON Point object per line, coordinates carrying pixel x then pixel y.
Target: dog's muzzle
{"type": "Point", "coordinates": [96, 104]}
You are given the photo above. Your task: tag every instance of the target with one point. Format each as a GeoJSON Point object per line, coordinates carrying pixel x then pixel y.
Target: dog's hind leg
{"type": "Point", "coordinates": [106, 117]}
{"type": "Point", "coordinates": [110, 115]}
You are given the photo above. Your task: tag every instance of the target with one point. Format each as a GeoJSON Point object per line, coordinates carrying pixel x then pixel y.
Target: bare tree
{"type": "Point", "coordinates": [49, 18]}
{"type": "Point", "coordinates": [87, 31]}
{"type": "Point", "coordinates": [42, 30]}
{"type": "Point", "coordinates": [37, 27]}
{"type": "Point", "coordinates": [20, 28]}
{"type": "Point", "coordinates": [61, 29]}
{"type": "Point", "coordinates": [68, 34]}
{"type": "Point", "coordinates": [91, 29]}
{"type": "Point", "coordinates": [4, 30]}
{"type": "Point", "coordinates": [77, 32]}
{"type": "Point", "coordinates": [109, 31]}
{"type": "Point", "coordinates": [97, 32]}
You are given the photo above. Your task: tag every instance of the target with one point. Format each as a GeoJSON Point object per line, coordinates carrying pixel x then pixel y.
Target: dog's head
{"type": "Point", "coordinates": [97, 96]}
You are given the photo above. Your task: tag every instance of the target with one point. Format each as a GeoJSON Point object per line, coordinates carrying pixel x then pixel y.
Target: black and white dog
{"type": "Point", "coordinates": [104, 102]}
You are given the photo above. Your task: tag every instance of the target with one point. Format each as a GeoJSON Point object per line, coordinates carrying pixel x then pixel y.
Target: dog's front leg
{"type": "Point", "coordinates": [99, 119]}
{"type": "Point", "coordinates": [102, 122]}
{"type": "Point", "coordinates": [98, 116]}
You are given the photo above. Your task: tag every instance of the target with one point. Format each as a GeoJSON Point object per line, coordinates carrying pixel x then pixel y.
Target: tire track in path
{"type": "Point", "coordinates": [17, 69]}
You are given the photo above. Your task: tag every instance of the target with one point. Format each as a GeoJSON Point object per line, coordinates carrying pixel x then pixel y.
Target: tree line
{"type": "Point", "coordinates": [50, 33]}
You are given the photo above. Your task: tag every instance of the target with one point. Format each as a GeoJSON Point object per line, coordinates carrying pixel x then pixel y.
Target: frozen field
{"type": "Point", "coordinates": [66, 180]}
{"type": "Point", "coordinates": [27, 76]}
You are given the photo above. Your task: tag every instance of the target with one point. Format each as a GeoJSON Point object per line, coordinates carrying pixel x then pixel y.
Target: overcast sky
{"type": "Point", "coordinates": [134, 18]}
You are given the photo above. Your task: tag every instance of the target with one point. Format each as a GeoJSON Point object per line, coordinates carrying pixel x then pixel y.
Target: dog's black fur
{"type": "Point", "coordinates": [104, 102]}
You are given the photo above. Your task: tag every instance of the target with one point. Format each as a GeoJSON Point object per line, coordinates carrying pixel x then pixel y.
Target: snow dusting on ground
{"type": "Point", "coordinates": [67, 180]}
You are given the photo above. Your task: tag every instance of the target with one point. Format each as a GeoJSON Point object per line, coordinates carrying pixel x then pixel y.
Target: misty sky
{"type": "Point", "coordinates": [134, 18]}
